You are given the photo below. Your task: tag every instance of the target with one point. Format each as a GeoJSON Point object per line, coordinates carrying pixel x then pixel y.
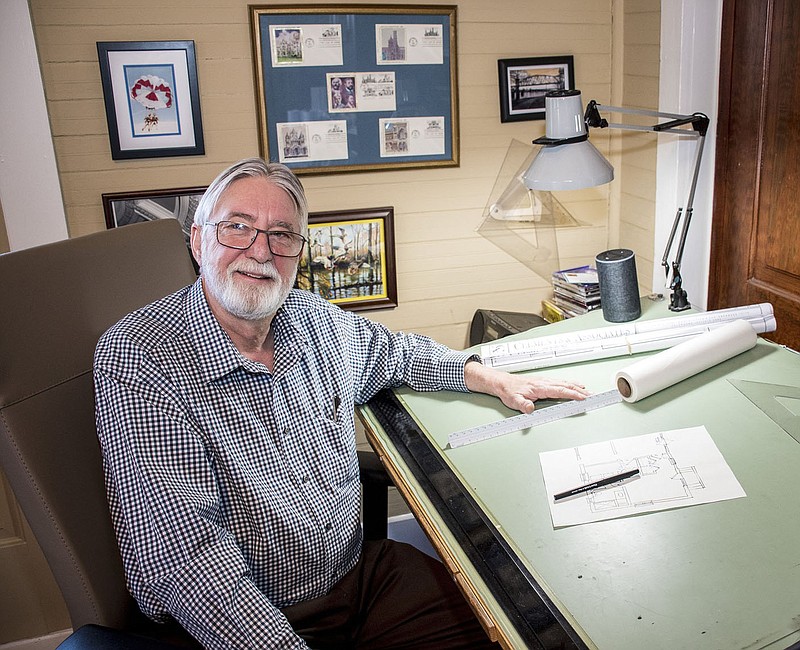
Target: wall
{"type": "Point", "coordinates": [637, 167]}
{"type": "Point", "coordinates": [445, 269]}
{"type": "Point", "coordinates": [29, 186]}
{"type": "Point", "coordinates": [689, 82]}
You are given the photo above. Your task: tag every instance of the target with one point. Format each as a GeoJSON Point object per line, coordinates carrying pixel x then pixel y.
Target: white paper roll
{"type": "Point", "coordinates": [652, 374]}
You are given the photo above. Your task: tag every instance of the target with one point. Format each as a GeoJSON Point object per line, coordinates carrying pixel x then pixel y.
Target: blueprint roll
{"type": "Point", "coordinates": [675, 364]}
{"type": "Point", "coordinates": [619, 286]}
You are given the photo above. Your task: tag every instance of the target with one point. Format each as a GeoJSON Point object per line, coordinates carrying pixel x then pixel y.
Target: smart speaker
{"type": "Point", "coordinates": [619, 286]}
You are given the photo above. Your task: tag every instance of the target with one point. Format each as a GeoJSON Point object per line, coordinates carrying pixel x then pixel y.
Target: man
{"type": "Point", "coordinates": [226, 418]}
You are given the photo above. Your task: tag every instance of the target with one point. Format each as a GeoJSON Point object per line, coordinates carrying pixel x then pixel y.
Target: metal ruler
{"type": "Point", "coordinates": [527, 420]}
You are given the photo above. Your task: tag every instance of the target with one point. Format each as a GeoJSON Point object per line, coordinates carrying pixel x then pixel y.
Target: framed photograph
{"type": "Point", "coordinates": [123, 208]}
{"type": "Point", "coordinates": [152, 98]}
{"type": "Point", "coordinates": [525, 82]}
{"type": "Point", "coordinates": [346, 88]}
{"type": "Point", "coordinates": [349, 258]}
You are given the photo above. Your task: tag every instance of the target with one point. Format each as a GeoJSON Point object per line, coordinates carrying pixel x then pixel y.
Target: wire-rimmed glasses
{"type": "Point", "coordinates": [238, 235]}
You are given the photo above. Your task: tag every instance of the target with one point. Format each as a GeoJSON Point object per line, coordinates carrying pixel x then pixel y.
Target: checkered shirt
{"type": "Point", "coordinates": [234, 490]}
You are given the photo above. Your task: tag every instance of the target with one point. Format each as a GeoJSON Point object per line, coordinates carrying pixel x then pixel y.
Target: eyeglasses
{"type": "Point", "coordinates": [240, 236]}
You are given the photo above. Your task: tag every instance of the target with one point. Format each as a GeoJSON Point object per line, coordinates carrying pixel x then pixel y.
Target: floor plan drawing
{"type": "Point", "coordinates": [677, 468]}
{"type": "Point", "coordinates": [674, 482]}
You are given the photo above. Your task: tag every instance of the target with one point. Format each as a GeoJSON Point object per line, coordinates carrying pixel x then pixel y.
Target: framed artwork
{"type": "Point", "coordinates": [152, 98]}
{"type": "Point", "coordinates": [123, 208]}
{"type": "Point", "coordinates": [525, 82]}
{"type": "Point", "coordinates": [349, 258]}
{"type": "Point", "coordinates": [345, 88]}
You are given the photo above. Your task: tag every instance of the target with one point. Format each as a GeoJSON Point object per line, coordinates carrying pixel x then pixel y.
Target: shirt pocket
{"type": "Point", "coordinates": [331, 451]}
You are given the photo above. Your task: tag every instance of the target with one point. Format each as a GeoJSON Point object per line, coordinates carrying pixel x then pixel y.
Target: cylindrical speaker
{"type": "Point", "coordinates": [619, 286]}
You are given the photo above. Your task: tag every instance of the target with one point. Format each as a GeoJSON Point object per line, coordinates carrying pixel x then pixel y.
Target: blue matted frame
{"type": "Point", "coordinates": [299, 94]}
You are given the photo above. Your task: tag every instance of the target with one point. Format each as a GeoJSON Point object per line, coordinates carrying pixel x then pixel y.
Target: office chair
{"type": "Point", "coordinates": [56, 300]}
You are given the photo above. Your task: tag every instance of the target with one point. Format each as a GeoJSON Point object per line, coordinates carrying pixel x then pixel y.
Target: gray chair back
{"type": "Point", "coordinates": [55, 302]}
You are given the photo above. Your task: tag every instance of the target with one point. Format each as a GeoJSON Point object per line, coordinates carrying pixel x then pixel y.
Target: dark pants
{"type": "Point", "coordinates": [395, 597]}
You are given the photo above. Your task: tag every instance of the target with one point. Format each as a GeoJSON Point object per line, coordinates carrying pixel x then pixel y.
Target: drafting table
{"type": "Point", "coordinates": [719, 575]}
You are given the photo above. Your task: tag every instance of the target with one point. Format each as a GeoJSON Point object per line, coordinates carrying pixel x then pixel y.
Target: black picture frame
{"type": "Point", "coordinates": [524, 82]}
{"type": "Point", "coordinates": [402, 60]}
{"type": "Point", "coordinates": [124, 208]}
{"type": "Point", "coordinates": [152, 98]}
{"type": "Point", "coordinates": [349, 258]}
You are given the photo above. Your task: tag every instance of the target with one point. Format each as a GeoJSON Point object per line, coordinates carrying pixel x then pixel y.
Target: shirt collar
{"type": "Point", "coordinates": [218, 356]}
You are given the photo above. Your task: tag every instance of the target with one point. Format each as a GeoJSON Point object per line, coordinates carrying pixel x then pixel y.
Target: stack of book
{"type": "Point", "coordinates": [575, 291]}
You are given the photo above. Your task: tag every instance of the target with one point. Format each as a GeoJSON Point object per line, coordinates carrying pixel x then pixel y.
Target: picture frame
{"type": "Point", "coordinates": [524, 82]}
{"type": "Point", "coordinates": [349, 258]}
{"type": "Point", "coordinates": [152, 98]}
{"type": "Point", "coordinates": [123, 208]}
{"type": "Point", "coordinates": [350, 88]}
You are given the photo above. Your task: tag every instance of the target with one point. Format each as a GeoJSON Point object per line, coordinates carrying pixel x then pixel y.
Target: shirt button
{"type": "Point", "coordinates": [329, 526]}
{"type": "Point", "coordinates": [306, 479]}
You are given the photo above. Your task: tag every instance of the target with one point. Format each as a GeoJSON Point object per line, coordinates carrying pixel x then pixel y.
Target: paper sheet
{"type": "Point", "coordinates": [678, 468]}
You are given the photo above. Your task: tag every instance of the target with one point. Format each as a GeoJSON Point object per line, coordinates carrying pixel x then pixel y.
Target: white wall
{"type": "Point", "coordinates": [689, 82]}
{"type": "Point", "coordinates": [30, 192]}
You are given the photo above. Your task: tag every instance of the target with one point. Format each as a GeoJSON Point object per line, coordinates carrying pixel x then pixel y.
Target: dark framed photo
{"type": "Point", "coordinates": [152, 98]}
{"type": "Point", "coordinates": [348, 88]}
{"type": "Point", "coordinates": [123, 208]}
{"type": "Point", "coordinates": [349, 258]}
{"type": "Point", "coordinates": [525, 82]}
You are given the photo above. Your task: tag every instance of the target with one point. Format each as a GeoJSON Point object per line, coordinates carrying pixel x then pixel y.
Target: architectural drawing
{"type": "Point", "coordinates": [677, 468]}
{"type": "Point", "coordinates": [669, 481]}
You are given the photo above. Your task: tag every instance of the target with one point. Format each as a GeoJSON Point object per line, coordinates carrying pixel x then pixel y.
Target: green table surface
{"type": "Point", "coordinates": [719, 575]}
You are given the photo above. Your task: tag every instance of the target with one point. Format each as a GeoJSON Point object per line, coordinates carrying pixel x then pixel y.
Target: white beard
{"type": "Point", "coordinates": [247, 302]}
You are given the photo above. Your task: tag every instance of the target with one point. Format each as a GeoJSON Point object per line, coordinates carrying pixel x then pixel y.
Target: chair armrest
{"type": "Point", "coordinates": [98, 637]}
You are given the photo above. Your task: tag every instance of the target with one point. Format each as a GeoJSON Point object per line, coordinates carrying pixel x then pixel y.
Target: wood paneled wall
{"type": "Point", "coordinates": [446, 270]}
{"type": "Point", "coordinates": [637, 158]}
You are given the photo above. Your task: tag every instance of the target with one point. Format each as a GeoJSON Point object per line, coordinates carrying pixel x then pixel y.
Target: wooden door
{"type": "Point", "coordinates": [30, 602]}
{"type": "Point", "coordinates": [755, 242]}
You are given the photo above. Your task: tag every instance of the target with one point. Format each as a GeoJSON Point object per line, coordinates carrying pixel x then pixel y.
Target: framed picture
{"type": "Point", "coordinates": [345, 88]}
{"type": "Point", "coordinates": [152, 98]}
{"type": "Point", "coordinates": [525, 82]}
{"type": "Point", "coordinates": [349, 258]}
{"type": "Point", "coordinates": [123, 208]}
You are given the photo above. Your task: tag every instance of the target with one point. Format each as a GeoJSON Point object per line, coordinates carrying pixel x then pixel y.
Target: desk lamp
{"type": "Point", "coordinates": [568, 161]}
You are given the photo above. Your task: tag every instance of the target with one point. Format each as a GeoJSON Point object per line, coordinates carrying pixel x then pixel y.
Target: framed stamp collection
{"type": "Point", "coordinates": [356, 87]}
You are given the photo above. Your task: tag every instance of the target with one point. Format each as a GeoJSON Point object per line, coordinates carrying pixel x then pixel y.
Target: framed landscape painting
{"type": "Point", "coordinates": [349, 258]}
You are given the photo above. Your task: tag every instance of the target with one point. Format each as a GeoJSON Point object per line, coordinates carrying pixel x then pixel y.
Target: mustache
{"type": "Point", "coordinates": [266, 269]}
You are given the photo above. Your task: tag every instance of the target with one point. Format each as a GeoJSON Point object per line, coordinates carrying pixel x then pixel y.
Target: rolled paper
{"type": "Point", "coordinates": [662, 370]}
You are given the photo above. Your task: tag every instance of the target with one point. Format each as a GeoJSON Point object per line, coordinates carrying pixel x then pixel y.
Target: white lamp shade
{"type": "Point", "coordinates": [564, 114]}
{"type": "Point", "coordinates": [573, 166]}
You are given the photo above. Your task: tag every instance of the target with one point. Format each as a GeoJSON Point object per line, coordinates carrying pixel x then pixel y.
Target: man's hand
{"type": "Point", "coordinates": [519, 392]}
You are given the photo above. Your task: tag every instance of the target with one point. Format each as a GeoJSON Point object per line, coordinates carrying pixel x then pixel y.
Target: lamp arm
{"type": "Point", "coordinates": [699, 123]}
{"type": "Point", "coordinates": [678, 300]}
{"type": "Point", "coordinates": [690, 202]}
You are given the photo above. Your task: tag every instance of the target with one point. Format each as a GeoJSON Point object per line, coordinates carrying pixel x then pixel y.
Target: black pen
{"type": "Point", "coordinates": [608, 480]}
